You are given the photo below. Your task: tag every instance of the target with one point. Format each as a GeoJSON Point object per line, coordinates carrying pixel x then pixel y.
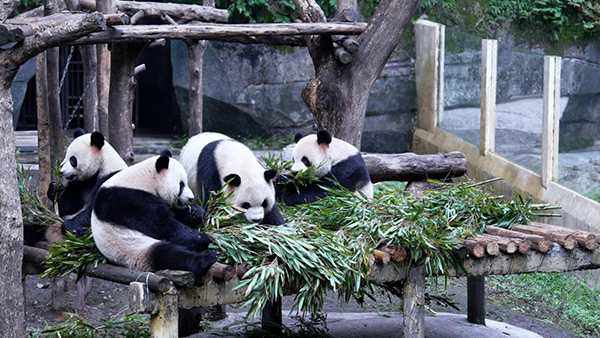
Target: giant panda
{"type": "Point", "coordinates": [89, 161]}
{"type": "Point", "coordinates": [333, 160]}
{"type": "Point", "coordinates": [212, 159]}
{"type": "Point", "coordinates": [133, 224]}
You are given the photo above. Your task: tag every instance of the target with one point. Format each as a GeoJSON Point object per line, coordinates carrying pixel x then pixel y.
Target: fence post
{"type": "Point", "coordinates": [550, 124]}
{"type": "Point", "coordinates": [429, 72]}
{"type": "Point", "coordinates": [489, 61]}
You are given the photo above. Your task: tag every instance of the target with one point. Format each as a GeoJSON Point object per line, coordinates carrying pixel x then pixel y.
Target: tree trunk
{"type": "Point", "coordinates": [103, 72]}
{"type": "Point", "coordinates": [196, 49]}
{"type": "Point", "coordinates": [338, 94]}
{"type": "Point", "coordinates": [53, 93]}
{"type": "Point", "coordinates": [90, 88]}
{"type": "Point", "coordinates": [12, 311]}
{"type": "Point", "coordinates": [43, 127]}
{"type": "Point", "coordinates": [120, 102]}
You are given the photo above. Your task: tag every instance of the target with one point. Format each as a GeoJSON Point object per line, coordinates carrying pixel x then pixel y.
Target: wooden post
{"type": "Point", "coordinates": [476, 299]}
{"type": "Point", "coordinates": [272, 319]}
{"type": "Point", "coordinates": [414, 302]}
{"type": "Point", "coordinates": [429, 43]}
{"type": "Point", "coordinates": [551, 118]}
{"type": "Point", "coordinates": [163, 324]}
{"type": "Point", "coordinates": [103, 73]}
{"type": "Point", "coordinates": [489, 57]}
{"type": "Point", "coordinates": [43, 127]}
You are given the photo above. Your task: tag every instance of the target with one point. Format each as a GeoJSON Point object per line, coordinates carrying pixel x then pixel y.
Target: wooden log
{"type": "Point", "coordinates": [182, 12]}
{"type": "Point", "coordinates": [475, 249]}
{"type": "Point", "coordinates": [538, 243]}
{"type": "Point", "coordinates": [397, 253]}
{"type": "Point", "coordinates": [117, 19]}
{"type": "Point", "coordinates": [567, 241]}
{"type": "Point", "coordinates": [351, 45]}
{"type": "Point", "coordinates": [381, 257]}
{"type": "Point", "coordinates": [505, 245]}
{"type": "Point", "coordinates": [219, 272]}
{"type": "Point", "coordinates": [585, 239]}
{"type": "Point", "coordinates": [125, 276]}
{"type": "Point", "coordinates": [413, 167]}
{"type": "Point", "coordinates": [523, 246]}
{"type": "Point", "coordinates": [342, 55]}
{"type": "Point", "coordinates": [346, 15]}
{"type": "Point", "coordinates": [460, 251]}
{"type": "Point", "coordinates": [182, 279]}
{"type": "Point", "coordinates": [491, 246]}
{"type": "Point", "coordinates": [211, 31]}
{"type": "Point", "coordinates": [241, 270]}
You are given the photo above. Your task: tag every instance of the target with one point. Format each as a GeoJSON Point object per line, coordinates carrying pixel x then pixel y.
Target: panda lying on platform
{"type": "Point", "coordinates": [212, 159]}
{"type": "Point", "coordinates": [333, 159]}
{"type": "Point", "coordinates": [133, 225]}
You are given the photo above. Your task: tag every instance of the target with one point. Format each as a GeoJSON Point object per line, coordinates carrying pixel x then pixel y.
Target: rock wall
{"type": "Point", "coordinates": [255, 90]}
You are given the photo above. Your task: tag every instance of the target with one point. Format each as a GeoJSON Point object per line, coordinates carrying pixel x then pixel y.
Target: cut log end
{"type": "Point", "coordinates": [381, 257]}
{"type": "Point", "coordinates": [397, 253]}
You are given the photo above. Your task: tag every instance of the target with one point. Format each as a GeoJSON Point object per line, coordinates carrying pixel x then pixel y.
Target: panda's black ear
{"type": "Point", "coordinates": [234, 180]}
{"type": "Point", "coordinates": [162, 163]}
{"type": "Point", "coordinates": [78, 132]}
{"type": "Point", "coordinates": [323, 137]}
{"type": "Point", "coordinates": [166, 153]}
{"type": "Point", "coordinates": [97, 140]}
{"type": "Point", "coordinates": [298, 137]}
{"type": "Point", "coordinates": [270, 174]}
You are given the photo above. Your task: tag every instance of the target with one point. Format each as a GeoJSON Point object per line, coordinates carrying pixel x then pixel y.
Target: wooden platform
{"type": "Point", "coordinates": [164, 294]}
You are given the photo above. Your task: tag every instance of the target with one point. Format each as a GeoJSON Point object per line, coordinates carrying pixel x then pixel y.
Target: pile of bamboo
{"type": "Point", "coordinates": [520, 239]}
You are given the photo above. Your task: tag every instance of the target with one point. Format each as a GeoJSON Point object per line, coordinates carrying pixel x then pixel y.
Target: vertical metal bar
{"type": "Point", "coordinates": [476, 299]}
{"type": "Point", "coordinates": [489, 57]}
{"type": "Point", "coordinates": [552, 65]}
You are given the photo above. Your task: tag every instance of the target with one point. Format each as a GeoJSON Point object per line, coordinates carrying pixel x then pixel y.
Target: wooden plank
{"type": "Point", "coordinates": [489, 61]}
{"type": "Point", "coordinates": [210, 294]}
{"type": "Point", "coordinates": [427, 72]}
{"type": "Point", "coordinates": [552, 65]}
{"type": "Point", "coordinates": [476, 299]}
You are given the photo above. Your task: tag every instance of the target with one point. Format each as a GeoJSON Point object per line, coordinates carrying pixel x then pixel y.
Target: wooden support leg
{"type": "Point", "coordinates": [163, 324]}
{"type": "Point", "coordinates": [272, 319]}
{"type": "Point", "coordinates": [476, 299]}
{"type": "Point", "coordinates": [414, 302]}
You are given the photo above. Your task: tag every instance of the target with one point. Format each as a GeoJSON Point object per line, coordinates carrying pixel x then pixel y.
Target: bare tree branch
{"type": "Point", "coordinates": [7, 7]}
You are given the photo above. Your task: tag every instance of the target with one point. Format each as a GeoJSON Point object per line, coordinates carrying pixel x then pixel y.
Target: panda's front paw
{"type": "Point", "coordinates": [204, 241]}
{"type": "Point", "coordinates": [75, 228]}
{"type": "Point", "coordinates": [51, 193]}
{"type": "Point", "coordinates": [203, 263]}
{"type": "Point", "coordinates": [197, 213]}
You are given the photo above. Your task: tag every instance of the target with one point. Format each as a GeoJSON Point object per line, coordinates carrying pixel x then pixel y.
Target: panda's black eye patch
{"type": "Point", "coordinates": [246, 205]}
{"type": "Point", "coordinates": [181, 186]}
{"type": "Point", "coordinates": [73, 161]}
{"type": "Point", "coordinates": [265, 203]}
{"type": "Point", "coordinates": [305, 161]}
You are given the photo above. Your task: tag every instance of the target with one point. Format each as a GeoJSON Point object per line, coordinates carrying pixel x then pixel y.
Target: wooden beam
{"type": "Point", "coordinates": [427, 72]}
{"type": "Point", "coordinates": [413, 301]}
{"type": "Point", "coordinates": [550, 120]}
{"type": "Point", "coordinates": [489, 57]}
{"type": "Point", "coordinates": [182, 12]}
{"type": "Point", "coordinates": [209, 31]}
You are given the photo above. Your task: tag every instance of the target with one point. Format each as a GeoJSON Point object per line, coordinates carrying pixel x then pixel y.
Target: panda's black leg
{"type": "Point", "coordinates": [165, 255]}
{"type": "Point", "coordinates": [187, 237]}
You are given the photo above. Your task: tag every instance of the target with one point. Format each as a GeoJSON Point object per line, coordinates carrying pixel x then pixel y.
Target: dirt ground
{"type": "Point", "coordinates": [107, 299]}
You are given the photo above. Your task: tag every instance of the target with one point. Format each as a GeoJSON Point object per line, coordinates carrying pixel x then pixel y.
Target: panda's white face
{"type": "Point", "coordinates": [82, 160]}
{"type": "Point", "coordinates": [309, 152]}
{"type": "Point", "coordinates": [254, 194]}
{"type": "Point", "coordinates": [171, 185]}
